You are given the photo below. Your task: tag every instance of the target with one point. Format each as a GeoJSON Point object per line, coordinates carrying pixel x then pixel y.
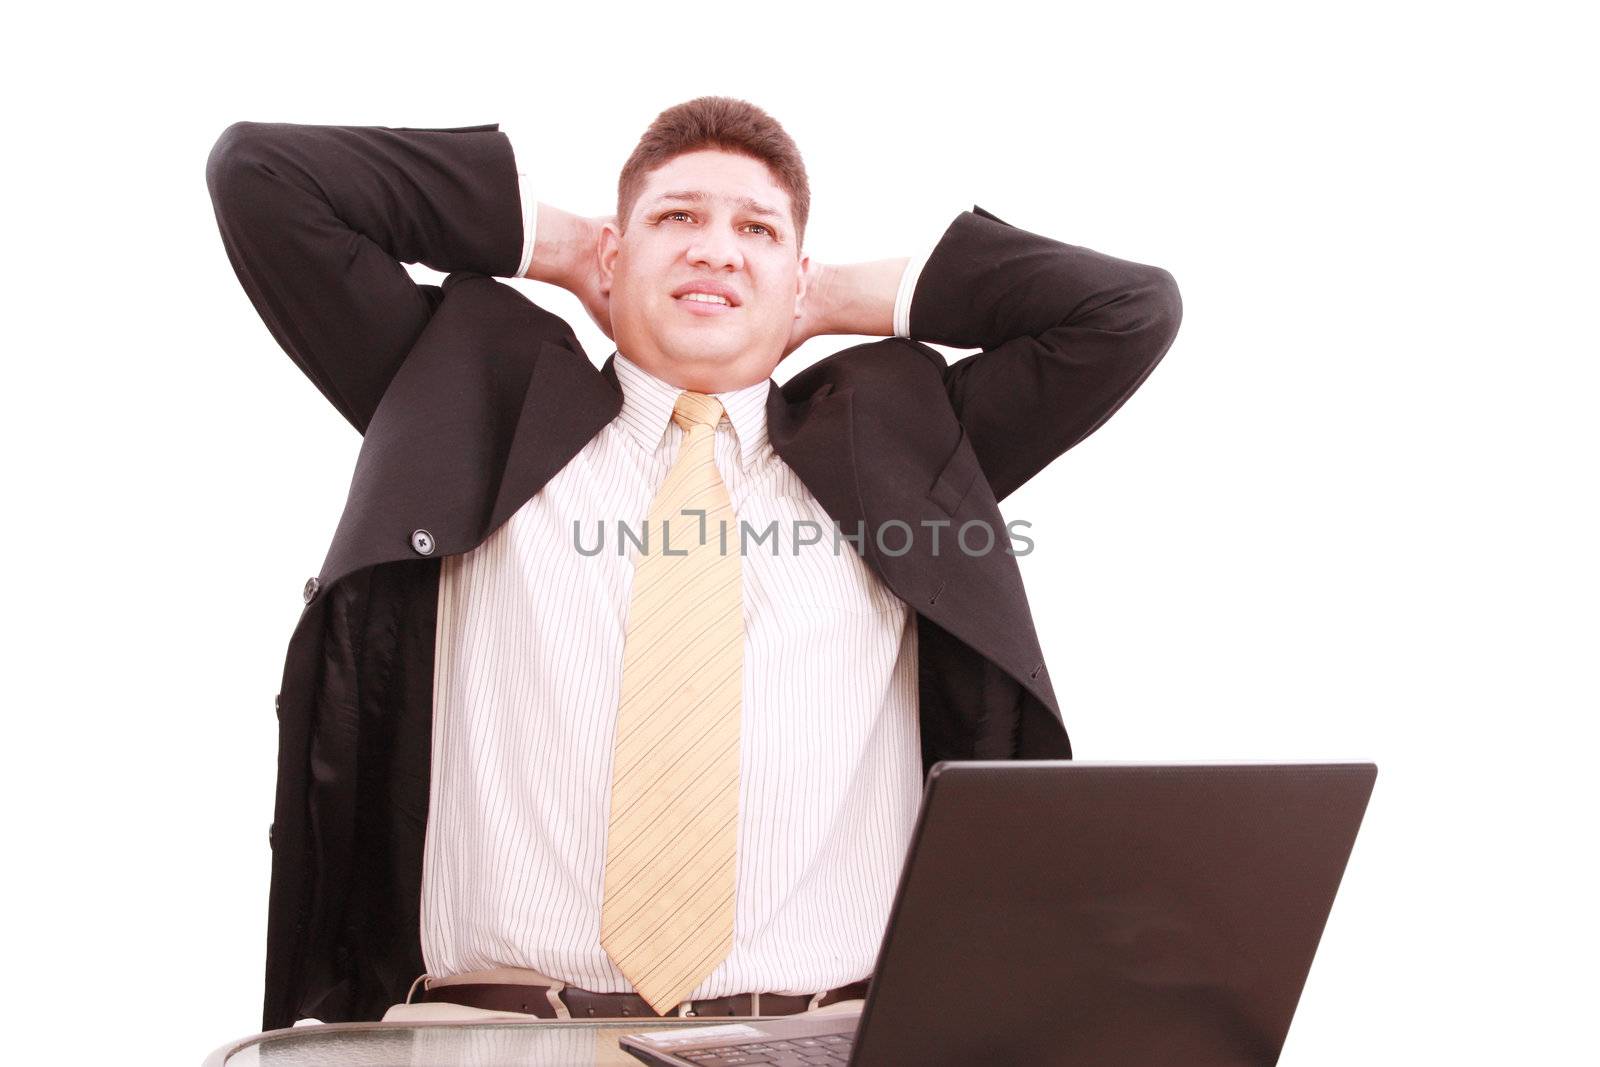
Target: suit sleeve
{"type": "Point", "coordinates": [318, 220]}
{"type": "Point", "coordinates": [1067, 334]}
{"type": "Point", "coordinates": [908, 286]}
{"type": "Point", "coordinates": [529, 203]}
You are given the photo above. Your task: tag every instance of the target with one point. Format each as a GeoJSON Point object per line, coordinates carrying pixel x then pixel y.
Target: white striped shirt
{"type": "Point", "coordinates": [528, 667]}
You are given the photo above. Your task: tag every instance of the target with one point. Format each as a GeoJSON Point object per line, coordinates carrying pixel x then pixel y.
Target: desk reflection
{"type": "Point", "coordinates": [489, 1044]}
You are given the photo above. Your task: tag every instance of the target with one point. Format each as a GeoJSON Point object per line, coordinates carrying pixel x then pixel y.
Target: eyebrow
{"type": "Point", "coordinates": [694, 196]}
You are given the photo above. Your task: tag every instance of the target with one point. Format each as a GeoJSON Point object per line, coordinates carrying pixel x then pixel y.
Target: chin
{"type": "Point", "coordinates": [705, 351]}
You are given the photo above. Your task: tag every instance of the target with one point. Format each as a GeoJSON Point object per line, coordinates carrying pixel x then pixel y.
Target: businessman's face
{"type": "Point", "coordinates": [707, 280]}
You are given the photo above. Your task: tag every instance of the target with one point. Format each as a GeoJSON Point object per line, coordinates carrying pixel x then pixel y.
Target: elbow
{"type": "Point", "coordinates": [226, 153]}
{"type": "Point", "coordinates": [234, 154]}
{"type": "Point", "coordinates": [1142, 312]}
{"type": "Point", "coordinates": [1164, 308]}
{"type": "Point", "coordinates": [1151, 312]}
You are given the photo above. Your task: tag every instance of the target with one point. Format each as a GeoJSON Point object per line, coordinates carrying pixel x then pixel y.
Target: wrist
{"type": "Point", "coordinates": [563, 247]}
{"type": "Point", "coordinates": [820, 310]}
{"type": "Point", "coordinates": [858, 298]}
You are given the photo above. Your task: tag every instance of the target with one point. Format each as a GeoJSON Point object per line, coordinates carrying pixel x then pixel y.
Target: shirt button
{"type": "Point", "coordinates": [310, 592]}
{"type": "Point", "coordinates": [422, 541]}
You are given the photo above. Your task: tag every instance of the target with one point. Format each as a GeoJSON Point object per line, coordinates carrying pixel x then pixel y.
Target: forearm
{"type": "Point", "coordinates": [442, 197]}
{"type": "Point", "coordinates": [988, 282]}
{"type": "Point", "coordinates": [858, 298]}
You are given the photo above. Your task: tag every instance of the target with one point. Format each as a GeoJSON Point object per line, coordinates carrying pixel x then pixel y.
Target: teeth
{"type": "Point", "coordinates": [706, 298]}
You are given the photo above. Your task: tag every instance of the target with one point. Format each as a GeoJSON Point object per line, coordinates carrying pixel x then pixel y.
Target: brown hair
{"type": "Point", "coordinates": [724, 123]}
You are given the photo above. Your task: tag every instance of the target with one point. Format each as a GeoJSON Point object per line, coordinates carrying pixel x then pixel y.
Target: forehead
{"type": "Point", "coordinates": [724, 179]}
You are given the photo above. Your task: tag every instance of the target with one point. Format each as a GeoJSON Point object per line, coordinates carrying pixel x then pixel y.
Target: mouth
{"type": "Point", "coordinates": [706, 297]}
{"type": "Point", "coordinates": [704, 306]}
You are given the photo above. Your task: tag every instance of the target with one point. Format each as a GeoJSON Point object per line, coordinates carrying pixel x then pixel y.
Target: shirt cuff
{"type": "Point", "coordinates": [530, 208]}
{"type": "Point", "coordinates": [908, 287]}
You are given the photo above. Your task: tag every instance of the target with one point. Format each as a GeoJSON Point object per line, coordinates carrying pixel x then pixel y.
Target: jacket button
{"type": "Point", "coordinates": [422, 541]}
{"type": "Point", "coordinates": [310, 593]}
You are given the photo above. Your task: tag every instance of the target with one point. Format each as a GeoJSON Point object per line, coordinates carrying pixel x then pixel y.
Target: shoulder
{"type": "Point", "coordinates": [481, 303]}
{"type": "Point", "coordinates": [895, 362]}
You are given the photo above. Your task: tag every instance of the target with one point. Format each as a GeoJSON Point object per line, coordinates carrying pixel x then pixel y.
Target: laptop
{"type": "Point", "coordinates": [1058, 912]}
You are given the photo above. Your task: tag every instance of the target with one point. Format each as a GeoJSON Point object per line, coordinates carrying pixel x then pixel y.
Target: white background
{"type": "Point", "coordinates": [1352, 514]}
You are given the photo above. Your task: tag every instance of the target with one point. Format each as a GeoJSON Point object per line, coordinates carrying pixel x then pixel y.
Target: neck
{"type": "Point", "coordinates": [719, 378]}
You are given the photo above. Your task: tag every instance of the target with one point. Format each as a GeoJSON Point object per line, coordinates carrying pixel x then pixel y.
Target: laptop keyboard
{"type": "Point", "coordinates": [830, 1049]}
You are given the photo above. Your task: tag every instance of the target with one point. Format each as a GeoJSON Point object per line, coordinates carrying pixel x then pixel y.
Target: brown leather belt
{"type": "Point", "coordinates": [535, 1000]}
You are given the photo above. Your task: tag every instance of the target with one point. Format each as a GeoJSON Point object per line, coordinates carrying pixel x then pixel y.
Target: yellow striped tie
{"type": "Point", "coordinates": [667, 917]}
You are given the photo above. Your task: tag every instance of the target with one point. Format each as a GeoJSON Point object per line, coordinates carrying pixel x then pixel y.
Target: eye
{"type": "Point", "coordinates": [763, 228]}
{"type": "Point", "coordinates": [670, 214]}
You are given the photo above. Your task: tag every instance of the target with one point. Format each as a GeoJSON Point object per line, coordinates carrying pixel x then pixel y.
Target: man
{"type": "Point", "coordinates": [669, 775]}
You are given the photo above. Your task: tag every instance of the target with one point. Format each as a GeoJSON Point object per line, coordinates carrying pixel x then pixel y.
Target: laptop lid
{"type": "Point", "coordinates": [1060, 912]}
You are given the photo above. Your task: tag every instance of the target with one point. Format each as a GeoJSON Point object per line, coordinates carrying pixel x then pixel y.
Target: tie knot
{"type": "Point", "coordinates": [696, 409]}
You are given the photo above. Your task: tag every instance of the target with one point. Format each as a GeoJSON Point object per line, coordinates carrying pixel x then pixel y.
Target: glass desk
{"type": "Point", "coordinates": [497, 1043]}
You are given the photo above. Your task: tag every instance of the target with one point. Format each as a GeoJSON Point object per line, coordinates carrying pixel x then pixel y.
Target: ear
{"type": "Point", "coordinates": [804, 279]}
{"type": "Point", "coordinates": [610, 248]}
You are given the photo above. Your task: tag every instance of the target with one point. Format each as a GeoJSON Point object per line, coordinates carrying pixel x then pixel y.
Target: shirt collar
{"type": "Point", "coordinates": [647, 404]}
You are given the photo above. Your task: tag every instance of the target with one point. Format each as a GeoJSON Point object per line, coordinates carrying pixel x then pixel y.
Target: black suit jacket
{"type": "Point", "coordinates": [470, 397]}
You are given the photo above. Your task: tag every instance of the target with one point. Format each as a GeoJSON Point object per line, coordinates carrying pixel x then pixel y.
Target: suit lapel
{"type": "Point", "coordinates": [459, 444]}
{"type": "Point", "coordinates": [566, 405]}
{"type": "Point", "coordinates": [978, 599]}
{"type": "Point", "coordinates": [813, 436]}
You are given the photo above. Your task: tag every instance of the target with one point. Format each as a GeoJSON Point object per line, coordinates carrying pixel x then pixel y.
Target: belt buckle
{"type": "Point", "coordinates": [552, 993]}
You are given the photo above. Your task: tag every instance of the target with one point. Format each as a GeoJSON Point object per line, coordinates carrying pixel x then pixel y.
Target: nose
{"type": "Point", "coordinates": [715, 247]}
